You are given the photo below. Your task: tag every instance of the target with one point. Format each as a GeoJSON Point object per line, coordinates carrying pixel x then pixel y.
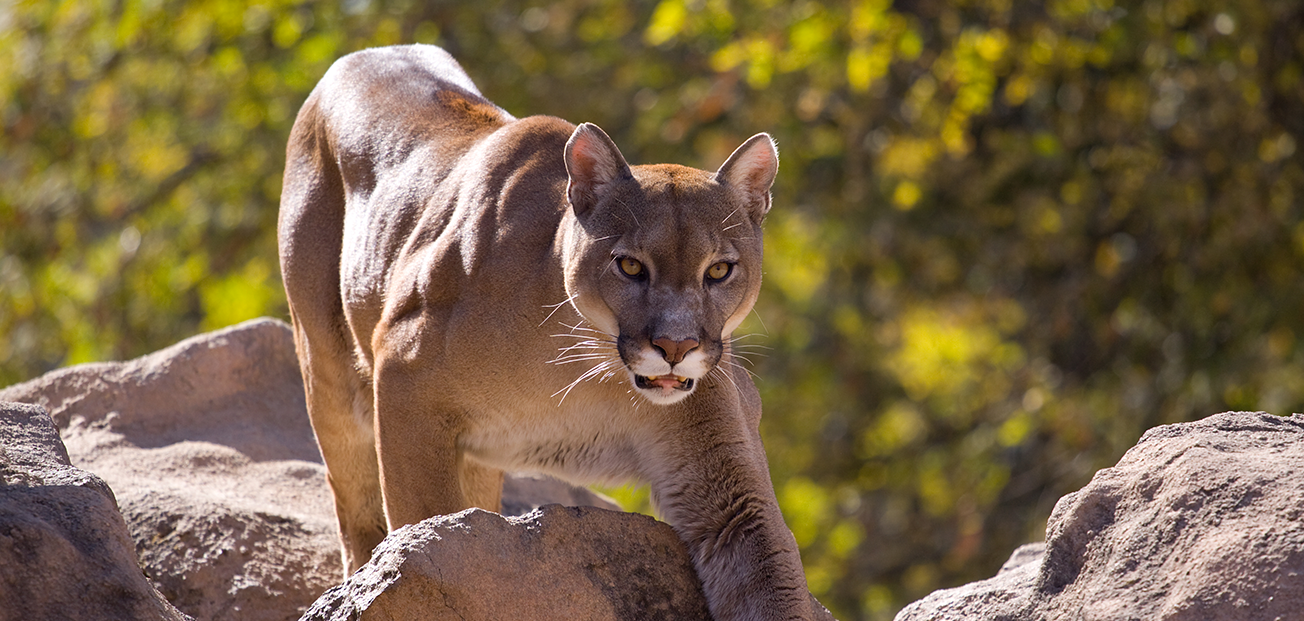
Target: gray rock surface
{"type": "Point", "coordinates": [556, 563]}
{"type": "Point", "coordinates": [1198, 521]}
{"type": "Point", "coordinates": [209, 450]}
{"type": "Point", "coordinates": [64, 550]}
{"type": "Point", "coordinates": [559, 563]}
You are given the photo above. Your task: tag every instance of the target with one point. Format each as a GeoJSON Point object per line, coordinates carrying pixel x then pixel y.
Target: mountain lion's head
{"type": "Point", "coordinates": [665, 259]}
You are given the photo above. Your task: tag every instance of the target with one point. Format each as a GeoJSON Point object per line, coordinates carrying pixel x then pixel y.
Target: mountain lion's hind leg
{"type": "Point", "coordinates": [339, 405]}
{"type": "Point", "coordinates": [310, 233]}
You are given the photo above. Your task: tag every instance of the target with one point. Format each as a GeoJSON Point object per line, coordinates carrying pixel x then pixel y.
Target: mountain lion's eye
{"type": "Point", "coordinates": [719, 271]}
{"type": "Point", "coordinates": [631, 267]}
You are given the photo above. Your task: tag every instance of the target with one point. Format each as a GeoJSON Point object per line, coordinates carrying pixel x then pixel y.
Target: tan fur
{"type": "Point", "coordinates": [455, 280]}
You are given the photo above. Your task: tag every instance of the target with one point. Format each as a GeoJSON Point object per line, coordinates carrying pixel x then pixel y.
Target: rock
{"type": "Point", "coordinates": [1198, 521]}
{"type": "Point", "coordinates": [555, 563]}
{"type": "Point", "coordinates": [208, 447]}
{"type": "Point", "coordinates": [523, 493]}
{"type": "Point", "coordinates": [64, 550]}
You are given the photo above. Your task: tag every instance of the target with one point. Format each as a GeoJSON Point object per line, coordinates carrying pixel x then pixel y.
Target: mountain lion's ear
{"type": "Point", "coordinates": [750, 172]}
{"type": "Point", "coordinates": [592, 162]}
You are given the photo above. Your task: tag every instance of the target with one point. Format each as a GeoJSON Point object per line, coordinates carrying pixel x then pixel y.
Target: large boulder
{"type": "Point", "coordinates": [1198, 521]}
{"type": "Point", "coordinates": [208, 447]}
{"type": "Point", "coordinates": [558, 563]}
{"type": "Point", "coordinates": [64, 550]}
{"type": "Point", "coordinates": [555, 563]}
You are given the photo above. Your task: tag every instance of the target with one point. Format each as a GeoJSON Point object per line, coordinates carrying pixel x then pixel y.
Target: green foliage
{"type": "Point", "coordinates": [1006, 239]}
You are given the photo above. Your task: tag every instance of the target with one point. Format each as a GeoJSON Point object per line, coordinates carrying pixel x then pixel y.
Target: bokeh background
{"type": "Point", "coordinates": [1008, 237]}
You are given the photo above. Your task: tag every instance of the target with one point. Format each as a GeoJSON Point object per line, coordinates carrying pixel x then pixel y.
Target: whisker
{"type": "Point", "coordinates": [731, 214]}
{"type": "Point", "coordinates": [631, 211]}
{"type": "Point", "coordinates": [735, 364]}
{"type": "Point", "coordinates": [555, 307]}
{"type": "Point", "coordinates": [588, 351]}
{"type": "Point", "coordinates": [743, 351]}
{"type": "Point", "coordinates": [588, 338]}
{"type": "Point", "coordinates": [749, 361]}
{"type": "Point", "coordinates": [598, 340]}
{"type": "Point", "coordinates": [579, 358]}
{"type": "Point", "coordinates": [585, 349]}
{"type": "Point", "coordinates": [753, 375]}
{"type": "Point", "coordinates": [731, 226]}
{"type": "Point", "coordinates": [586, 329]}
{"type": "Point", "coordinates": [590, 345]}
{"type": "Point", "coordinates": [758, 318]}
{"type": "Point", "coordinates": [589, 342]}
{"type": "Point", "coordinates": [726, 376]}
{"type": "Point", "coordinates": [595, 345]}
{"type": "Point", "coordinates": [565, 392]}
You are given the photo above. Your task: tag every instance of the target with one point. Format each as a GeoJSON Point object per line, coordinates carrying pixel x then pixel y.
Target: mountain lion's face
{"type": "Point", "coordinates": [666, 261]}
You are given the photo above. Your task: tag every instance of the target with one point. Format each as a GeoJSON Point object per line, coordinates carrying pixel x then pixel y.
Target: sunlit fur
{"type": "Point", "coordinates": [453, 275]}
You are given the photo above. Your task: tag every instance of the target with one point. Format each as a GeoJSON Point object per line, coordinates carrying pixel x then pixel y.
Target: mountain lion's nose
{"type": "Point", "coordinates": [674, 351]}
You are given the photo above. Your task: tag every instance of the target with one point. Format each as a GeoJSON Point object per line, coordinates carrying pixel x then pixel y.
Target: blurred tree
{"type": "Point", "coordinates": [1008, 237]}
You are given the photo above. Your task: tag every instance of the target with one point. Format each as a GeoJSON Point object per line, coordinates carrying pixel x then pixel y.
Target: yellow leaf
{"type": "Point", "coordinates": [907, 195]}
{"type": "Point", "coordinates": [667, 22]}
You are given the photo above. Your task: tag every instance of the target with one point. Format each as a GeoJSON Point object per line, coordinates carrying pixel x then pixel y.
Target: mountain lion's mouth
{"type": "Point", "coordinates": [663, 381]}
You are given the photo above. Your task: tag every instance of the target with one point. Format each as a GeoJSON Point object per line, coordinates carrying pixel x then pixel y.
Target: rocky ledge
{"type": "Point", "coordinates": [187, 483]}
{"type": "Point", "coordinates": [1199, 521]}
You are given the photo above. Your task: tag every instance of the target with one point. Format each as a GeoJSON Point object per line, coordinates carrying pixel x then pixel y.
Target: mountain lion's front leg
{"type": "Point", "coordinates": [721, 503]}
{"type": "Point", "coordinates": [416, 442]}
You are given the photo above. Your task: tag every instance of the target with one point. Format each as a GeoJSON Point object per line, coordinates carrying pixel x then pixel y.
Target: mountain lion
{"type": "Point", "coordinates": [473, 293]}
